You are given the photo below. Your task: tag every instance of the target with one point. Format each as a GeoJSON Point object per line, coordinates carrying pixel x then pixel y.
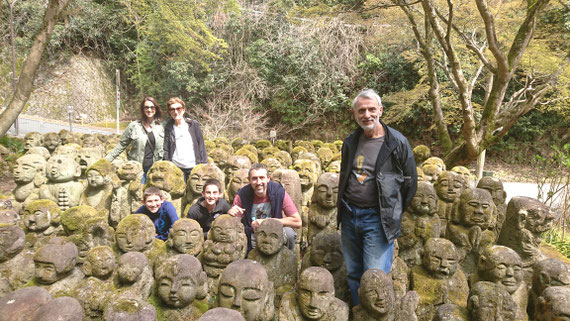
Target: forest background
{"type": "Point", "coordinates": [457, 76]}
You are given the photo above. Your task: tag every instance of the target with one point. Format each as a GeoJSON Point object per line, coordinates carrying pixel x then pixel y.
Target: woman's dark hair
{"type": "Point", "coordinates": [158, 112]}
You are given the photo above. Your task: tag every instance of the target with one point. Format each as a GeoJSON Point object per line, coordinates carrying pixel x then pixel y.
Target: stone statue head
{"type": "Point", "coordinates": [435, 161]}
{"type": "Point", "coordinates": [550, 272]}
{"type": "Point", "coordinates": [465, 174]}
{"type": "Point", "coordinates": [74, 219]}
{"type": "Point", "coordinates": [449, 186]}
{"type": "Point", "coordinates": [131, 266]}
{"type": "Point", "coordinates": [272, 164]}
{"type": "Point", "coordinates": [326, 191]}
{"type": "Point", "coordinates": [130, 171]}
{"type": "Point", "coordinates": [235, 163]}
{"type": "Point", "coordinates": [490, 302]}
{"type": "Point", "coordinates": [68, 150]}
{"type": "Point", "coordinates": [238, 142]}
{"type": "Point", "coordinates": [41, 214]}
{"type": "Point", "coordinates": [376, 293]}
{"type": "Point", "coordinates": [308, 172]}
{"type": "Point", "coordinates": [33, 139]}
{"type": "Point", "coordinates": [64, 308]}
{"type": "Point", "coordinates": [62, 168]}
{"type": "Point", "coordinates": [245, 287]}
{"type": "Point", "coordinates": [166, 176]}
{"type": "Point", "coordinates": [325, 155]}
{"type": "Point", "coordinates": [55, 260]}
{"type": "Point", "coordinates": [217, 314]}
{"type": "Point", "coordinates": [296, 151]}
{"type": "Point", "coordinates": [334, 167]}
{"type": "Point", "coordinates": [12, 241]}
{"type": "Point", "coordinates": [284, 158]}
{"type": "Point", "coordinates": [262, 143]}
{"type": "Point", "coordinates": [495, 187]}
{"type": "Point", "coordinates": [135, 232]}
{"type": "Point", "coordinates": [87, 156]}
{"type": "Point", "coordinates": [421, 153]}
{"type": "Point", "coordinates": [39, 150]}
{"type": "Point", "coordinates": [425, 200]}
{"type": "Point", "coordinates": [326, 251]}
{"type": "Point", "coordinates": [128, 309]}
{"type": "Point", "coordinates": [88, 140]}
{"type": "Point", "coordinates": [101, 173]}
{"type": "Point", "coordinates": [268, 152]}
{"type": "Point", "coordinates": [475, 207]}
{"type": "Point", "coordinates": [440, 258]}
{"type": "Point", "coordinates": [269, 237]}
{"type": "Point", "coordinates": [431, 172]}
{"type": "Point", "coordinates": [100, 262]}
{"type": "Point", "coordinates": [237, 181]}
{"type": "Point", "coordinates": [179, 280]}
{"type": "Point", "coordinates": [30, 168]}
{"type": "Point", "coordinates": [51, 141]}
{"type": "Point", "coordinates": [553, 304]}
{"type": "Point", "coordinates": [530, 214]}
{"type": "Point", "coordinates": [199, 175]}
{"type": "Point", "coordinates": [95, 232]}
{"type": "Point", "coordinates": [305, 144]}
{"type": "Point", "coordinates": [226, 229]}
{"type": "Point", "coordinates": [219, 156]}
{"type": "Point", "coordinates": [250, 153]}
{"type": "Point", "coordinates": [315, 292]}
{"type": "Point", "coordinates": [502, 265]}
{"type": "Point", "coordinates": [186, 237]}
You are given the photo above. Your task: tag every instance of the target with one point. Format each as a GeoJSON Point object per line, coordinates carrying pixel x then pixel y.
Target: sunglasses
{"type": "Point", "coordinates": [149, 107]}
{"type": "Point", "coordinates": [179, 109]}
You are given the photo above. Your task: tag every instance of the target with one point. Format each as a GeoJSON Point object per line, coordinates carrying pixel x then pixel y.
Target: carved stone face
{"type": "Point", "coordinates": [239, 180]}
{"type": "Point", "coordinates": [431, 172]}
{"type": "Point", "coordinates": [235, 163]}
{"type": "Point", "coordinates": [376, 292]}
{"type": "Point", "coordinates": [269, 237]}
{"type": "Point", "coordinates": [334, 167]}
{"type": "Point", "coordinates": [95, 179]}
{"type": "Point", "coordinates": [130, 267]}
{"type": "Point", "coordinates": [436, 161]}
{"type": "Point", "coordinates": [284, 158]}
{"type": "Point", "coordinates": [327, 190]}
{"type": "Point", "coordinates": [495, 187]}
{"type": "Point", "coordinates": [135, 233]}
{"type": "Point", "coordinates": [315, 291]}
{"type": "Point", "coordinates": [220, 157]}
{"type": "Point", "coordinates": [89, 141]}
{"type": "Point", "coordinates": [61, 168]}
{"type": "Point", "coordinates": [54, 260]}
{"type": "Point", "coordinates": [38, 220]}
{"type": "Point", "coordinates": [449, 186]}
{"type": "Point", "coordinates": [51, 141]}
{"type": "Point", "coordinates": [490, 302]}
{"type": "Point", "coordinates": [32, 139]}
{"type": "Point", "coordinates": [272, 164]}
{"type": "Point", "coordinates": [307, 170]}
{"type": "Point", "coordinates": [164, 175]}
{"type": "Point", "coordinates": [186, 236]}
{"type": "Point", "coordinates": [27, 167]}
{"type": "Point", "coordinates": [178, 279]}
{"type": "Point", "coordinates": [425, 200]}
{"type": "Point", "coordinates": [440, 258]}
{"type": "Point", "coordinates": [200, 174]}
{"type": "Point", "coordinates": [554, 304]}
{"type": "Point", "coordinates": [476, 208]}
{"type": "Point", "coordinates": [550, 272]}
{"type": "Point", "coordinates": [87, 156]}
{"type": "Point", "coordinates": [69, 150]}
{"type": "Point", "coordinates": [12, 240]}
{"type": "Point", "coordinates": [502, 265]}
{"type": "Point", "coordinates": [245, 287]}
{"type": "Point", "coordinates": [326, 251]}
{"type": "Point", "coordinates": [224, 230]}
{"type": "Point", "coordinates": [129, 171]}
{"type": "Point", "coordinates": [101, 261]}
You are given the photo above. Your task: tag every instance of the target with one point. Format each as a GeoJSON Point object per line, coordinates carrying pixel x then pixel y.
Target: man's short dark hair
{"type": "Point", "coordinates": [257, 166]}
{"type": "Point", "coordinates": [152, 191]}
{"type": "Point", "coordinates": [212, 181]}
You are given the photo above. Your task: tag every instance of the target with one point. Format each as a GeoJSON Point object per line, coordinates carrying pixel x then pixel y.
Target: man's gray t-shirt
{"type": "Point", "coordinates": [361, 189]}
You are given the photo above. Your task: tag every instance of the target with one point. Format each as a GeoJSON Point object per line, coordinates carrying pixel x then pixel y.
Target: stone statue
{"type": "Point", "coordinates": [325, 155]}
{"type": "Point", "coordinates": [399, 274]}
{"type": "Point", "coordinates": [419, 223]}
{"type": "Point", "coordinates": [472, 226]}
{"type": "Point", "coordinates": [438, 280]}
{"type": "Point", "coordinates": [431, 173]}
{"type": "Point", "coordinates": [199, 175]}
{"type": "Point", "coordinates": [67, 150]}
{"type": "Point", "coordinates": [87, 156]}
{"type": "Point", "coordinates": [245, 287]}
{"type": "Point", "coordinates": [220, 157]}
{"type": "Point", "coordinates": [33, 139]}
{"type": "Point", "coordinates": [29, 174]}
{"type": "Point", "coordinates": [226, 243]}
{"type": "Point", "coordinates": [378, 301]}
{"type": "Point", "coordinates": [61, 309]}
{"type": "Point", "coordinates": [272, 164]}
{"type": "Point", "coordinates": [235, 163]}
{"type": "Point", "coordinates": [326, 252]}
{"type": "Point", "coordinates": [465, 174]}
{"type": "Point", "coordinates": [179, 282]}
{"type": "Point", "coordinates": [250, 153]}
{"type": "Point", "coordinates": [127, 196]}
{"type": "Point", "coordinates": [268, 152]}
{"type": "Point", "coordinates": [549, 272]}
{"type": "Point", "coordinates": [305, 144]}
{"type": "Point", "coordinates": [21, 304]}
{"type": "Point", "coordinates": [133, 278]}
{"type": "Point", "coordinates": [39, 150]}
{"type": "Point", "coordinates": [262, 143]}
{"type": "Point", "coordinates": [490, 302]}
{"type": "Point", "coordinates": [436, 161]}
{"type": "Point", "coordinates": [16, 263]}
{"type": "Point", "coordinates": [448, 187]}
{"type": "Point", "coordinates": [95, 291]}
{"type": "Point", "coordinates": [554, 304]}
{"type": "Point", "coordinates": [314, 300]}
{"type": "Point", "coordinates": [51, 141]}
{"type": "Point", "coordinates": [527, 218]}
{"type": "Point", "coordinates": [217, 314]}
{"type": "Point", "coordinates": [237, 181]}
{"type": "Point", "coordinates": [502, 265]}
{"type": "Point", "coordinates": [322, 211]}
{"type": "Point", "coordinates": [238, 142]}
{"type": "Point", "coordinates": [125, 309]}
{"type": "Point", "coordinates": [495, 187]}
{"type": "Point", "coordinates": [308, 175]}
{"type": "Point", "coordinates": [449, 312]}
{"type": "Point", "coordinates": [421, 153]}
{"type": "Point", "coordinates": [284, 158]}
{"type": "Point", "coordinates": [334, 167]}
{"type": "Point", "coordinates": [289, 179]}
{"type": "Point", "coordinates": [42, 221]}
{"type": "Point", "coordinates": [63, 188]}
{"type": "Point", "coordinates": [95, 232]}
{"type": "Point", "coordinates": [88, 140]}
{"type": "Point", "coordinates": [185, 237]}
{"type": "Point", "coordinates": [101, 180]}
{"type": "Point", "coordinates": [73, 220]}
{"type": "Point", "coordinates": [55, 267]}
{"type": "Point", "coordinates": [136, 233]}
{"type": "Point", "coordinates": [279, 262]}
{"type": "Point", "coordinates": [170, 179]}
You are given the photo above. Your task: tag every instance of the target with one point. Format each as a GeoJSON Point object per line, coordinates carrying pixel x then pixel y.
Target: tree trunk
{"type": "Point", "coordinates": [30, 67]}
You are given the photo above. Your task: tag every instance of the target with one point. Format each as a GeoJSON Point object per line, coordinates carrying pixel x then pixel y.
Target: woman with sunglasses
{"type": "Point", "coordinates": [145, 135]}
{"type": "Point", "coordinates": [183, 139]}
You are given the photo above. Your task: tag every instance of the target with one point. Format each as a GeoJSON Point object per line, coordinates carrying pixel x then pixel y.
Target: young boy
{"type": "Point", "coordinates": [209, 206]}
{"type": "Point", "coordinates": [162, 213]}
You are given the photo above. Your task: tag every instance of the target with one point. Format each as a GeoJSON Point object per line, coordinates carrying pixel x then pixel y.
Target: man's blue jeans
{"type": "Point", "coordinates": [364, 244]}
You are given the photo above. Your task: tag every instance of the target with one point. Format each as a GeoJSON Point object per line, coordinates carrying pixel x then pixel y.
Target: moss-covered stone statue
{"type": "Point", "coordinates": [237, 181]}
{"type": "Point", "coordinates": [553, 304]}
{"type": "Point", "coordinates": [33, 139]}
{"type": "Point", "coordinates": [284, 158]}
{"type": "Point", "coordinates": [421, 153]}
{"type": "Point", "coordinates": [87, 156]}
{"type": "Point", "coordinates": [29, 174]}
{"type": "Point", "coordinates": [448, 187]}
{"type": "Point", "coordinates": [101, 180]}
{"type": "Point", "coordinates": [308, 175]}
{"type": "Point", "coordinates": [548, 272]}
{"type": "Point", "coordinates": [272, 164]}
{"type": "Point", "coordinates": [16, 263]}
{"type": "Point", "coordinates": [55, 267]}
{"type": "Point", "coordinates": [220, 157]}
{"type": "Point", "coordinates": [225, 314]}
{"type": "Point", "coordinates": [430, 172]}
{"type": "Point", "coordinates": [133, 277]}
{"type": "Point", "coordinates": [125, 309]}
{"type": "Point", "coordinates": [438, 280]}
{"type": "Point", "coordinates": [279, 262]}
{"type": "Point", "coordinates": [198, 176]}
{"type": "Point", "coordinates": [495, 187]}
{"type": "Point", "coordinates": [170, 179]}
{"type": "Point", "coordinates": [42, 221]}
{"type": "Point", "coordinates": [127, 196]}
{"type": "Point", "coordinates": [62, 187]}
{"type": "Point", "coordinates": [235, 163]}
{"type": "Point", "coordinates": [322, 211]}
{"type": "Point", "coordinates": [74, 220]}
{"type": "Point", "coordinates": [95, 232]}
{"type": "Point", "coordinates": [185, 237]}
{"type": "Point", "coordinates": [468, 179]}
{"type": "Point", "coordinates": [314, 299]}
{"type": "Point", "coordinates": [289, 179]}
{"type": "Point", "coordinates": [136, 233]}
{"type": "Point", "coordinates": [51, 141]}
{"type": "Point", "coordinates": [245, 287]}
{"type": "Point", "coordinates": [490, 302]}
{"type": "Point", "coordinates": [325, 155]}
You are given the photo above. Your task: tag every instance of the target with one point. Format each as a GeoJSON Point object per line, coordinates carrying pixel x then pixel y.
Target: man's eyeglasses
{"type": "Point", "coordinates": [149, 107]}
{"type": "Point", "coordinates": [179, 109]}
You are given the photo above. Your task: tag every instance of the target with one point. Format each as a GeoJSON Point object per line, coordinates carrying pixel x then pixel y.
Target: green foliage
{"type": "Point", "coordinates": [558, 239]}
{"type": "Point", "coordinates": [15, 145]}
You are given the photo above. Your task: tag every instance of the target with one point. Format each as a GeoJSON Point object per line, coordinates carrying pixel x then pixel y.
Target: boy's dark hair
{"type": "Point", "coordinates": [152, 191]}
{"type": "Point", "coordinates": [213, 181]}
